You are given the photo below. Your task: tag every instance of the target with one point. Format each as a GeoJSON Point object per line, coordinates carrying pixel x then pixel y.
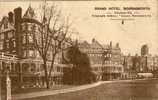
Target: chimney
{"type": "Point", "coordinates": [10, 14]}
{"type": "Point", "coordinates": [17, 16]}
{"type": "Point", "coordinates": [117, 45]}
{"type": "Point", "coordinates": [110, 43]}
{"type": "Point", "coordinates": [17, 25]}
{"type": "Point", "coordinates": [93, 40]}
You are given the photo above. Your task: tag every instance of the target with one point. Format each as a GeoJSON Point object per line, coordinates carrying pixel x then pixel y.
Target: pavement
{"type": "Point", "coordinates": [54, 92]}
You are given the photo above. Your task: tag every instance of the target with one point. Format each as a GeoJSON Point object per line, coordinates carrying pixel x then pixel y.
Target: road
{"type": "Point", "coordinates": [124, 90]}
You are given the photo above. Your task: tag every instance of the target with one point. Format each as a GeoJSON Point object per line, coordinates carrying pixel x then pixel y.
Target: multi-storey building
{"type": "Point", "coordinates": [16, 39]}
{"type": "Point", "coordinates": [112, 64]}
{"type": "Point", "coordinates": [7, 35]}
{"type": "Point", "coordinates": [105, 59]}
{"type": "Point", "coordinates": [145, 63]}
{"type": "Point", "coordinates": [95, 54]}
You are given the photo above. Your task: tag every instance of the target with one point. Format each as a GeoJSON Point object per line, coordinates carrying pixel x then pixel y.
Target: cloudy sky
{"type": "Point", "coordinates": [130, 35]}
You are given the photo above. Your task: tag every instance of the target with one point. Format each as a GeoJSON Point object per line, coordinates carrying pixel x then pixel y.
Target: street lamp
{"type": "Point", "coordinates": [0, 81]}
{"type": "Point", "coordinates": [8, 82]}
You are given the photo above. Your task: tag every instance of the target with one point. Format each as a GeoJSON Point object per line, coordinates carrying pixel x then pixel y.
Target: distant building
{"type": "Point", "coordinates": [147, 60]}
{"type": "Point", "coordinates": [105, 59]}
{"type": "Point", "coordinates": [145, 63]}
{"type": "Point", "coordinates": [144, 50]}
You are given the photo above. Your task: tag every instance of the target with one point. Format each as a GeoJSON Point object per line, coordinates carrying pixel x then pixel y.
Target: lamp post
{"type": "Point", "coordinates": [0, 84]}
{"type": "Point", "coordinates": [8, 83]}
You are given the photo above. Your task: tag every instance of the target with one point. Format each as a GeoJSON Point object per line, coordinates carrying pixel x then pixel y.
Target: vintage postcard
{"type": "Point", "coordinates": [79, 50]}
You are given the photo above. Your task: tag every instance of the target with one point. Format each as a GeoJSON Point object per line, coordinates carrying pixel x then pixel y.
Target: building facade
{"type": "Point", "coordinates": [105, 59]}
{"type": "Point", "coordinates": [16, 38]}
{"type": "Point", "coordinates": [143, 63]}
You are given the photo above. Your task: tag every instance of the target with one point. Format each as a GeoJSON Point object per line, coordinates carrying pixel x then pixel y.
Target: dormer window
{"type": "Point", "coordinates": [5, 25]}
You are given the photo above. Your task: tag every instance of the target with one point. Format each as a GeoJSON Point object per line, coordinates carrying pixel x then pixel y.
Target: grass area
{"type": "Point", "coordinates": [137, 90]}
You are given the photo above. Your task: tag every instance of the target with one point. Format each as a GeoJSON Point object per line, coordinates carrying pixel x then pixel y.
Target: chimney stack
{"type": "Point", "coordinates": [111, 44]}
{"type": "Point", "coordinates": [17, 25]}
{"type": "Point", "coordinates": [93, 40]}
{"type": "Point", "coordinates": [17, 16]}
{"type": "Point", "coordinates": [117, 45]}
{"type": "Point", "coordinates": [10, 15]}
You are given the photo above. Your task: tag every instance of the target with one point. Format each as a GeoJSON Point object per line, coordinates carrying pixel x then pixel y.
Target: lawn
{"type": "Point", "coordinates": [36, 89]}
{"type": "Point", "coordinates": [139, 90]}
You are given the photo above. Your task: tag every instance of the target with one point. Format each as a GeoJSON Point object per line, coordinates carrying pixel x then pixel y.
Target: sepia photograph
{"type": "Point", "coordinates": [79, 50]}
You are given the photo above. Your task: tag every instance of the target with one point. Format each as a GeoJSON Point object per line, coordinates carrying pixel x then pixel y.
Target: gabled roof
{"type": "Point", "coordinates": [106, 46]}
{"type": "Point", "coordinates": [29, 13]}
{"type": "Point", "coordinates": [5, 21]}
{"type": "Point", "coordinates": [84, 44]}
{"type": "Point", "coordinates": [96, 44]}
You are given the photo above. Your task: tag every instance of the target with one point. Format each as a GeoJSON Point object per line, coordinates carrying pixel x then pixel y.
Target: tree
{"type": "Point", "coordinates": [81, 71]}
{"type": "Point", "coordinates": [51, 36]}
{"type": "Point", "coordinates": [136, 63]}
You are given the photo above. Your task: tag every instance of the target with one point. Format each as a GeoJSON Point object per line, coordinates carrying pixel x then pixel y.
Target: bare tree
{"type": "Point", "coordinates": [52, 34]}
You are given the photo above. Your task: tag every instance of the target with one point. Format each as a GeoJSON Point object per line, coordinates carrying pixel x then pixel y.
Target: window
{"type": "Point", "coordinates": [2, 36]}
{"type": "Point", "coordinates": [30, 39]}
{"type": "Point", "coordinates": [24, 53]}
{"type": "Point", "coordinates": [58, 69]}
{"type": "Point", "coordinates": [23, 27]}
{"type": "Point", "coordinates": [32, 68]}
{"type": "Point", "coordinates": [24, 39]}
{"type": "Point", "coordinates": [37, 54]}
{"type": "Point", "coordinates": [14, 43]}
{"type": "Point", "coordinates": [1, 45]}
{"type": "Point", "coordinates": [7, 45]}
{"type": "Point", "coordinates": [10, 35]}
{"type": "Point", "coordinates": [31, 53]}
{"type": "Point", "coordinates": [36, 28]}
{"type": "Point", "coordinates": [29, 26]}
{"type": "Point", "coordinates": [5, 25]}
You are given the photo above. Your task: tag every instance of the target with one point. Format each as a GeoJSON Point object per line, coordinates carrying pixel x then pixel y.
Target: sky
{"type": "Point", "coordinates": [131, 35]}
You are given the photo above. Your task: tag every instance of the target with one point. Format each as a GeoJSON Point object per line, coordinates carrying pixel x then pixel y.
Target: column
{"type": "Point", "coordinates": [14, 67]}
{"type": "Point", "coordinates": [20, 73]}
{"type": "Point", "coordinates": [30, 67]}
{"type": "Point", "coordinates": [38, 76]}
{"type": "Point", "coordinates": [1, 65]}
{"type": "Point", "coordinates": [10, 67]}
